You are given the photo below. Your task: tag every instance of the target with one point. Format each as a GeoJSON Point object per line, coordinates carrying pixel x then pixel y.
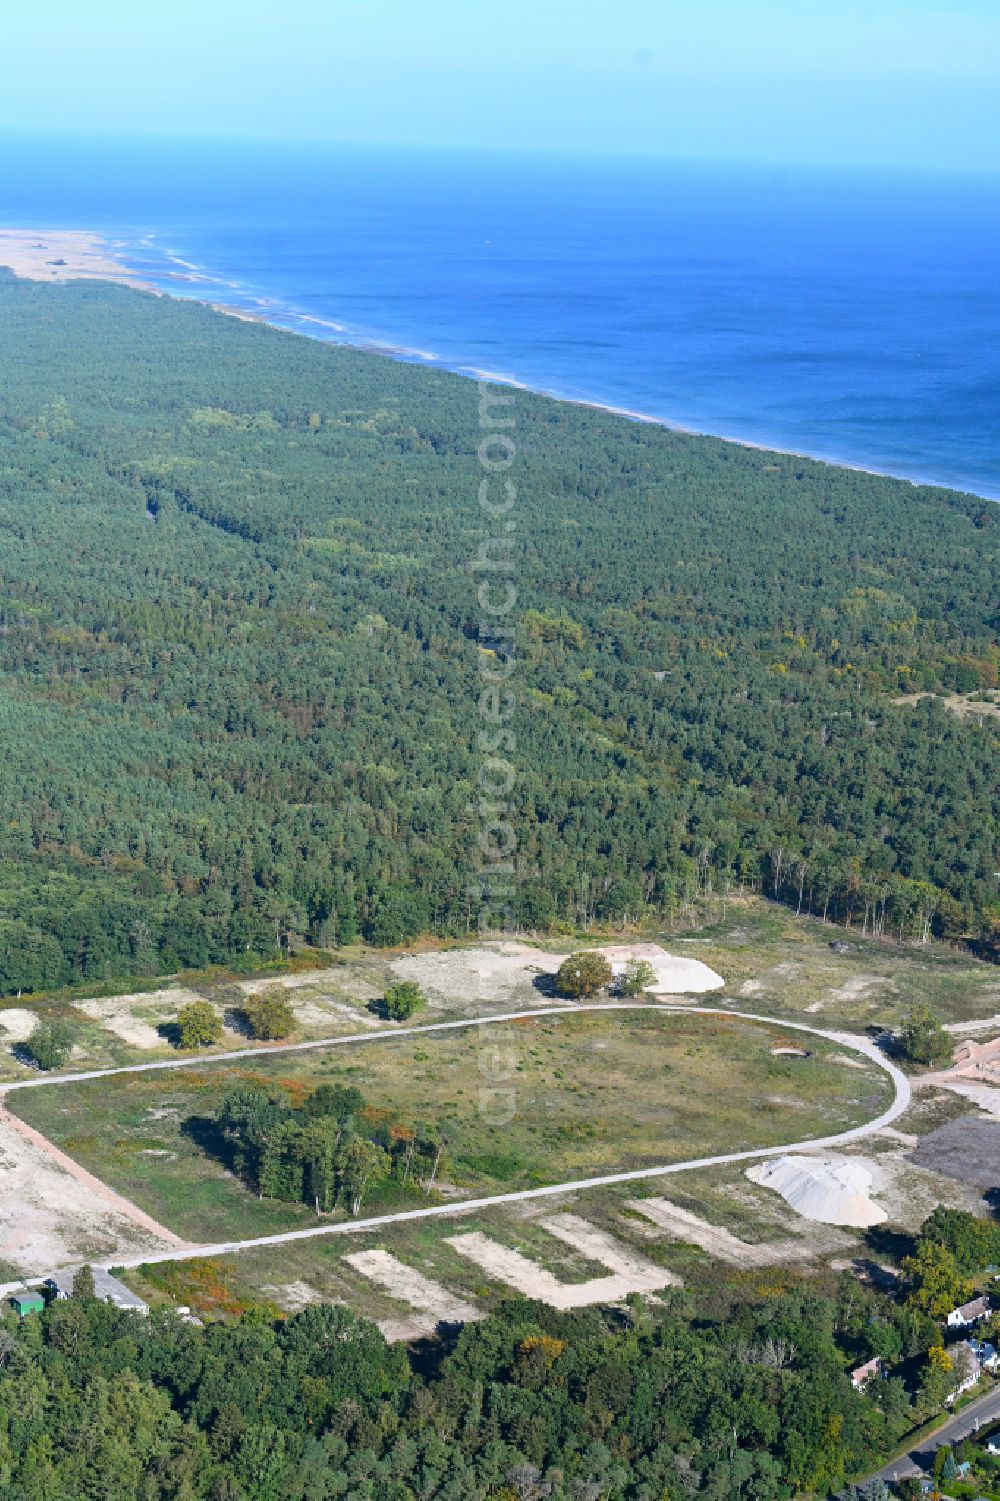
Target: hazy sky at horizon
{"type": "Point", "coordinates": [914, 82]}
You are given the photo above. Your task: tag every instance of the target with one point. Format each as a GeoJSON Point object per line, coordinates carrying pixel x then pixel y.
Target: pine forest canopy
{"type": "Point", "coordinates": [241, 646]}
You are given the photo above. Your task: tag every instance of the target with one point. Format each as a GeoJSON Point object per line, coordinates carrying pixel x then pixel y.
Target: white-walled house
{"type": "Point", "coordinates": [969, 1313]}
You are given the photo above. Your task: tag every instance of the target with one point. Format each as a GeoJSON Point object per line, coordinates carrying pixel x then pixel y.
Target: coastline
{"type": "Point", "coordinates": [63, 255]}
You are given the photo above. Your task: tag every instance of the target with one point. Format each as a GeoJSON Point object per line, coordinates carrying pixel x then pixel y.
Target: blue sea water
{"type": "Point", "coordinates": [850, 314]}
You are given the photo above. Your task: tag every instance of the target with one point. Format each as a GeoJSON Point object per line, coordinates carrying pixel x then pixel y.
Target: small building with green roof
{"type": "Point", "coordinates": [26, 1302]}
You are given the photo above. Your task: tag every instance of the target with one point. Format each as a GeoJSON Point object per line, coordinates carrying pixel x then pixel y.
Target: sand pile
{"type": "Point", "coordinates": [833, 1190]}
{"type": "Point", "coordinates": [674, 973]}
{"type": "Point", "coordinates": [503, 972]}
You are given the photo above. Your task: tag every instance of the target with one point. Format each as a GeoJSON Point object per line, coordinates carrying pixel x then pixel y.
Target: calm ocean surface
{"type": "Point", "coordinates": [852, 315]}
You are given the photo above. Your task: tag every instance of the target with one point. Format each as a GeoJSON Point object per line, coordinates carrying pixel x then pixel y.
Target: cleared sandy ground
{"type": "Point", "coordinates": [312, 1004]}
{"type": "Point", "coordinates": [974, 1074]}
{"type": "Point", "coordinates": [62, 255]}
{"type": "Point", "coordinates": [675, 973]}
{"type": "Point", "coordinates": [681, 1224]}
{"type": "Point", "coordinates": [294, 1296]}
{"type": "Point", "coordinates": [16, 1024]}
{"type": "Point", "coordinates": [434, 1303]}
{"type": "Point", "coordinates": [135, 1018]}
{"type": "Point", "coordinates": [53, 1213]}
{"type": "Point", "coordinates": [629, 1272]}
{"type": "Point", "coordinates": [489, 977]}
{"type": "Point", "coordinates": [309, 979]}
{"type": "Point", "coordinates": [497, 973]}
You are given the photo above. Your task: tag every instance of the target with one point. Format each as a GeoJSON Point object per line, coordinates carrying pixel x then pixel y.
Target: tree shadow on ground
{"type": "Point", "coordinates": [236, 1020]}
{"type": "Point", "coordinates": [545, 984]}
{"type": "Point", "coordinates": [428, 1355]}
{"type": "Point", "coordinates": [871, 1271]}
{"type": "Point", "coordinates": [888, 1244]}
{"type": "Point", "coordinates": [205, 1133]}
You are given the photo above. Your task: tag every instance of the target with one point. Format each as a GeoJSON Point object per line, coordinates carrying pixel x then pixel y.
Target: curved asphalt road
{"type": "Point", "coordinates": [464, 1206]}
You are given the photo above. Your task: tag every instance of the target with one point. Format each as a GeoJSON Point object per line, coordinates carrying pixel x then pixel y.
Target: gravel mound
{"type": "Point", "coordinates": [967, 1150]}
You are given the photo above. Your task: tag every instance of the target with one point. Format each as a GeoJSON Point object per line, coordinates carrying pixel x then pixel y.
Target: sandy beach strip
{"type": "Point", "coordinates": [58, 255]}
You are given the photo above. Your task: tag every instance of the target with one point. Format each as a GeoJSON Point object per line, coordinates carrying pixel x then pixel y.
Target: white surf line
{"type": "Point", "coordinates": [466, 1206]}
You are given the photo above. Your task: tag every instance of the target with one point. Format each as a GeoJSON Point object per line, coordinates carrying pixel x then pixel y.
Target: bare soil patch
{"type": "Point", "coordinates": [434, 1303]}
{"type": "Point", "coordinates": [17, 1024]}
{"type": "Point", "coordinates": [55, 1214]}
{"type": "Point", "coordinates": [965, 705]}
{"type": "Point", "coordinates": [681, 1224]}
{"type": "Point", "coordinates": [503, 974]}
{"type": "Point", "coordinates": [136, 1018]}
{"type": "Point", "coordinates": [629, 1272]}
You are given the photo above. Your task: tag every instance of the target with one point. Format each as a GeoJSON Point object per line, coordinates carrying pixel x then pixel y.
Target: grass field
{"type": "Point", "coordinates": [592, 1094]}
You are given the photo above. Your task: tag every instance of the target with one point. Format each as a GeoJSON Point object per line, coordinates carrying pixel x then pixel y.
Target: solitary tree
{"type": "Point", "coordinates": [269, 1016]}
{"type": "Point", "coordinates": [583, 973]}
{"type": "Point", "coordinates": [924, 1039]}
{"type": "Point", "coordinates": [198, 1025]}
{"type": "Point", "coordinates": [50, 1044]}
{"type": "Point", "coordinates": [944, 1466]}
{"type": "Point", "coordinates": [403, 999]}
{"type": "Point", "coordinates": [936, 1284]}
{"type": "Point", "coordinates": [83, 1283]}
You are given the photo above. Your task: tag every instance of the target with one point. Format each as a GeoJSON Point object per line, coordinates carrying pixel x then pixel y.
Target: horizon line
{"type": "Point", "coordinates": [495, 149]}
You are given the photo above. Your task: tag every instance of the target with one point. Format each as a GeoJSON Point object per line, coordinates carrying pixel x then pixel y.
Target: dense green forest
{"type": "Point", "coordinates": [648, 1404]}
{"type": "Point", "coordinates": [240, 677]}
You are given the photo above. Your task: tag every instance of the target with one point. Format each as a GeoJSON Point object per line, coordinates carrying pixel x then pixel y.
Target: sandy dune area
{"type": "Point", "coordinates": [62, 255]}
